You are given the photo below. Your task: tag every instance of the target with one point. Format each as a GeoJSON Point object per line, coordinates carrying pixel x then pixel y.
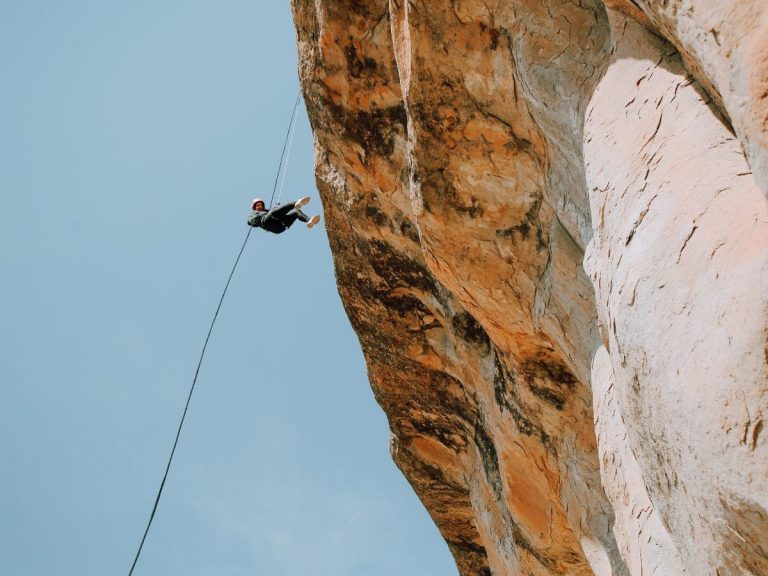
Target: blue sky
{"type": "Point", "coordinates": [132, 137]}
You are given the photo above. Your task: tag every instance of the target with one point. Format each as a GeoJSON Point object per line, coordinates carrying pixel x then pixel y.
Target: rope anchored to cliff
{"type": "Point", "coordinates": [282, 166]}
{"type": "Point", "coordinates": [284, 156]}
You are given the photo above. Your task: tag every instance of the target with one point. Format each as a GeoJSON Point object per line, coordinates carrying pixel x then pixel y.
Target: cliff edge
{"type": "Point", "coordinates": [549, 222]}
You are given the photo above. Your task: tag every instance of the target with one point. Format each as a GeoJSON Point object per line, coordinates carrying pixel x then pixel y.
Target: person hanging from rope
{"type": "Point", "coordinates": [279, 219]}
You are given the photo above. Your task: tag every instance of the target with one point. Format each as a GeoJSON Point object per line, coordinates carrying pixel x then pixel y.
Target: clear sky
{"type": "Point", "coordinates": [133, 135]}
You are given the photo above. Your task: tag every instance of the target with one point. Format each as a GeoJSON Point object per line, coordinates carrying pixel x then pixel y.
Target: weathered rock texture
{"type": "Point", "coordinates": [550, 232]}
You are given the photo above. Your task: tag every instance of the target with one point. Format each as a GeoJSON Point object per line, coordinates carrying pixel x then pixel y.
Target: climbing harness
{"type": "Point", "coordinates": [280, 169]}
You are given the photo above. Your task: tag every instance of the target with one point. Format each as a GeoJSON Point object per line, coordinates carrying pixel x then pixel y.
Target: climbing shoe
{"type": "Point", "coordinates": [312, 221]}
{"type": "Point", "coordinates": [301, 202]}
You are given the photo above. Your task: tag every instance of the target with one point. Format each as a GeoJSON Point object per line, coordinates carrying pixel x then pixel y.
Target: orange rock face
{"type": "Point", "coordinates": [469, 154]}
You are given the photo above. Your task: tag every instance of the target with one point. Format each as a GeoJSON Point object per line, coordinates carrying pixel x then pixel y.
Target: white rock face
{"type": "Point", "coordinates": [723, 44]}
{"type": "Point", "coordinates": [679, 260]}
{"type": "Point", "coordinates": [644, 542]}
{"type": "Point", "coordinates": [550, 231]}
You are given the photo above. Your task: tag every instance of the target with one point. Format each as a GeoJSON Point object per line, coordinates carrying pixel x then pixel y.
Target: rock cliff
{"type": "Point", "coordinates": [549, 222]}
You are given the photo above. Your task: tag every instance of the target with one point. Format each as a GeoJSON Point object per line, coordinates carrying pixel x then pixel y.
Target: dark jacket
{"type": "Point", "coordinates": [259, 219]}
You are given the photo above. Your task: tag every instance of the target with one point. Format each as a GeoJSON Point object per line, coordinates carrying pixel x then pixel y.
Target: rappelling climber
{"type": "Point", "coordinates": [279, 219]}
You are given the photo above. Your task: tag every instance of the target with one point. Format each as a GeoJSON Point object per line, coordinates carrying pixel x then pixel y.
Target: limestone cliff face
{"type": "Point", "coordinates": [550, 232]}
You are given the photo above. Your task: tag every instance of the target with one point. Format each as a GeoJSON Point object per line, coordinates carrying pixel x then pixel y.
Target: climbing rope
{"type": "Point", "coordinates": [186, 406]}
{"type": "Point", "coordinates": [281, 168]}
{"type": "Point", "coordinates": [288, 143]}
{"type": "Point", "coordinates": [287, 158]}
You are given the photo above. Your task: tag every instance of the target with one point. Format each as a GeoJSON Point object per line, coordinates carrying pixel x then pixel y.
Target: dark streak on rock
{"type": "Point", "coordinates": [522, 543]}
{"type": "Point", "coordinates": [403, 304]}
{"type": "Point", "coordinates": [442, 431]}
{"type": "Point", "coordinates": [473, 211]}
{"type": "Point", "coordinates": [357, 65]}
{"type": "Point", "coordinates": [508, 400]}
{"type": "Point", "coordinates": [468, 546]}
{"type": "Point", "coordinates": [500, 378]}
{"type": "Point", "coordinates": [409, 230]}
{"type": "Point", "coordinates": [550, 396]}
{"type": "Point", "coordinates": [551, 369]}
{"type": "Point", "coordinates": [374, 130]}
{"type": "Point", "coordinates": [549, 379]}
{"type": "Point", "coordinates": [523, 229]}
{"type": "Point", "coordinates": [398, 269]}
{"type": "Point", "coordinates": [375, 214]}
{"type": "Point", "coordinates": [494, 34]}
{"type": "Point", "coordinates": [490, 460]}
{"type": "Point", "coordinates": [469, 330]}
